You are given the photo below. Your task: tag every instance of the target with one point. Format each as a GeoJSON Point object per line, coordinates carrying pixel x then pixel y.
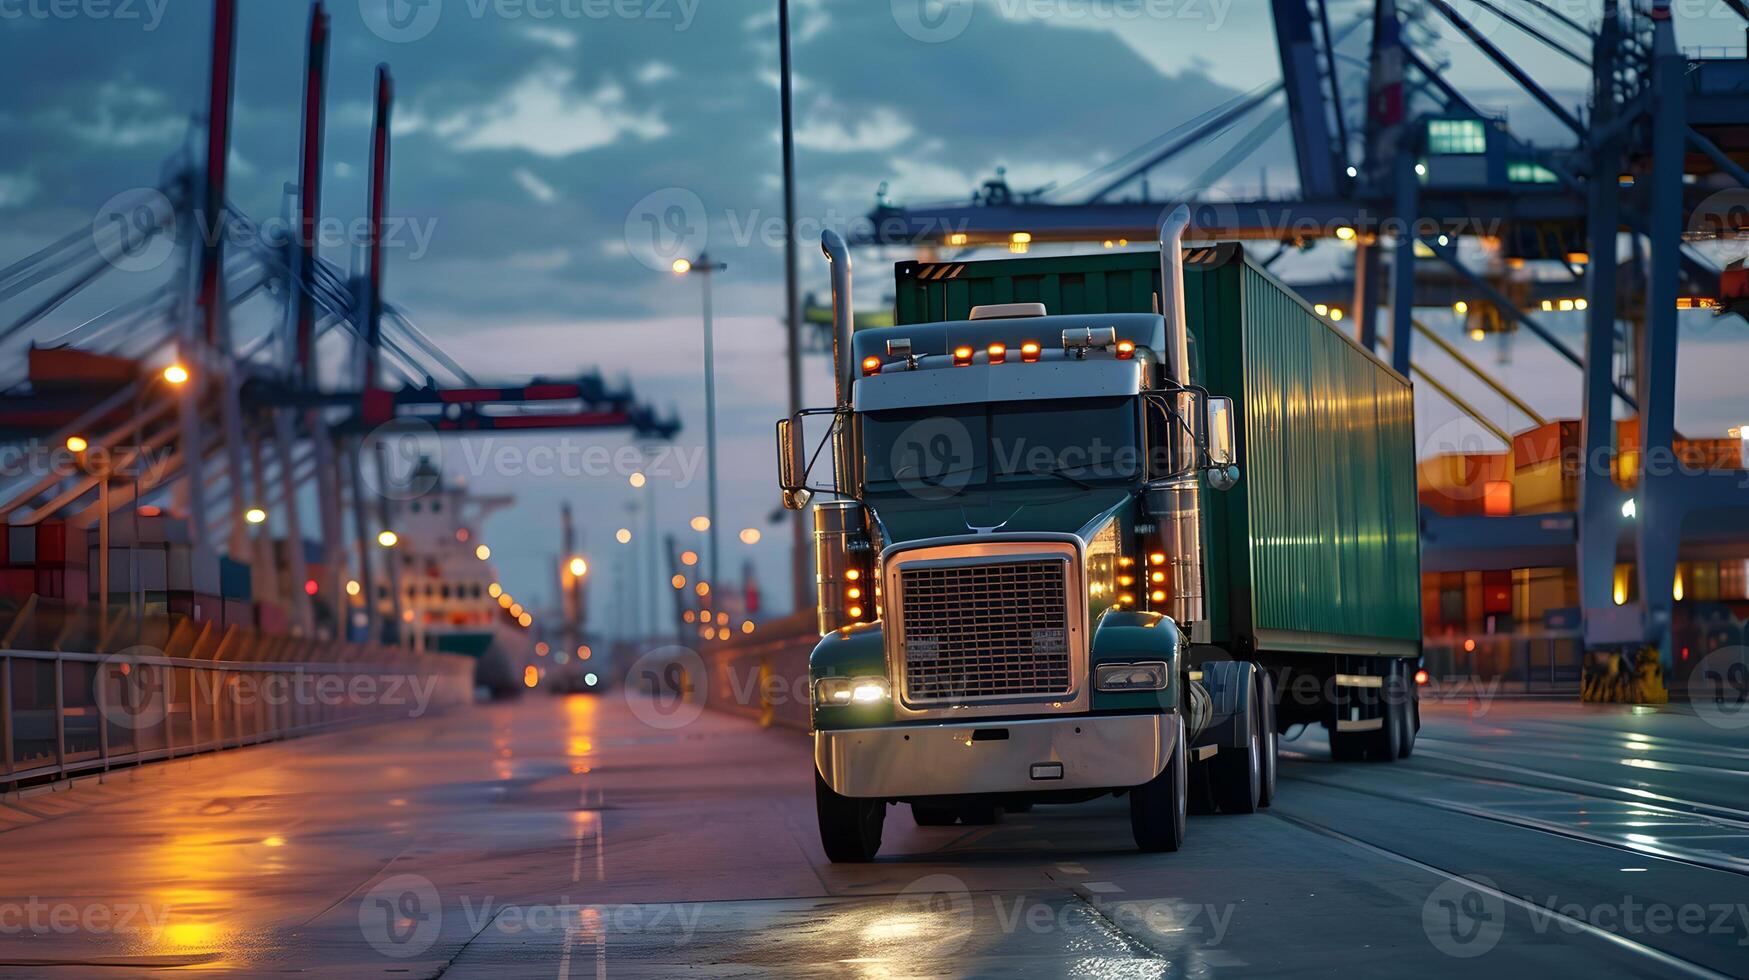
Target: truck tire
{"type": "Point", "coordinates": [1157, 807]}
{"type": "Point", "coordinates": [1411, 722]}
{"type": "Point", "coordinates": [1387, 742]}
{"type": "Point", "coordinates": [850, 828]}
{"type": "Point", "coordinates": [1238, 772]}
{"type": "Point", "coordinates": [1271, 737]}
{"type": "Point", "coordinates": [933, 816]}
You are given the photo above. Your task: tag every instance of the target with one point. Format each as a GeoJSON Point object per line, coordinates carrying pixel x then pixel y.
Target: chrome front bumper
{"type": "Point", "coordinates": [901, 761]}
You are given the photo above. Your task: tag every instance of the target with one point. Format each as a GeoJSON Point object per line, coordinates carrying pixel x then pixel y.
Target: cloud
{"type": "Point", "coordinates": [537, 188]}
{"type": "Point", "coordinates": [17, 190]}
{"type": "Point", "coordinates": [543, 115]}
{"type": "Point", "coordinates": [553, 37]}
{"type": "Point", "coordinates": [653, 72]}
{"type": "Point", "coordinates": [832, 130]}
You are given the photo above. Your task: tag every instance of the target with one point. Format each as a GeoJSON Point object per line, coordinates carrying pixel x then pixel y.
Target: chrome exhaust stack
{"type": "Point", "coordinates": [1176, 505]}
{"type": "Point", "coordinates": [843, 318]}
{"type": "Point", "coordinates": [844, 450]}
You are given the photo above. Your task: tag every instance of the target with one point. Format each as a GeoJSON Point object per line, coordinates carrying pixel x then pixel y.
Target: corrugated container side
{"type": "Point", "coordinates": [1326, 512]}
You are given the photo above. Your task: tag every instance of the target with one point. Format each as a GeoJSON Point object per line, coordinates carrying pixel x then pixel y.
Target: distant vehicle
{"type": "Point", "coordinates": [449, 586]}
{"type": "Point", "coordinates": [1046, 578]}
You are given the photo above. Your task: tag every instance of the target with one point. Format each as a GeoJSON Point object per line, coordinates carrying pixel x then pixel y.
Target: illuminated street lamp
{"type": "Point", "coordinates": [388, 539]}
{"type": "Point", "coordinates": [176, 374]}
{"type": "Point", "coordinates": [578, 567]}
{"type": "Point", "coordinates": [703, 267]}
{"type": "Point", "coordinates": [255, 515]}
{"type": "Point", "coordinates": [750, 535]}
{"type": "Point", "coordinates": [77, 444]}
{"type": "Point", "coordinates": [482, 552]}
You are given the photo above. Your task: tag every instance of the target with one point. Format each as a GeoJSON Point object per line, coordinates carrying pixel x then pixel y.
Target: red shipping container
{"type": "Point", "coordinates": [19, 582]}
{"type": "Point", "coordinates": [1552, 440]}
{"type": "Point", "coordinates": [59, 545]}
{"type": "Point", "coordinates": [51, 583]}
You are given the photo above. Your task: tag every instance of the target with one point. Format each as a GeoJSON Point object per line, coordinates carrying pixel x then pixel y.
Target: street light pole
{"type": "Point", "coordinates": [705, 267]}
{"type": "Point", "coordinates": [792, 306]}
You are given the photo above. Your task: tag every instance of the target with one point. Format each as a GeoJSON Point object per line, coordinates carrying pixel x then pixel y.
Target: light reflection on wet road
{"type": "Point", "coordinates": [566, 838]}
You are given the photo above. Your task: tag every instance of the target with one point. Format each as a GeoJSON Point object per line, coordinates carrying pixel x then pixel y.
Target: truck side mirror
{"type": "Point", "coordinates": [1222, 440]}
{"type": "Point", "coordinates": [1220, 426]}
{"type": "Point", "coordinates": [792, 465]}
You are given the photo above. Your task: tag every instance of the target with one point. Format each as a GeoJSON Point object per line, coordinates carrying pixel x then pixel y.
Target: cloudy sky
{"type": "Point", "coordinates": [535, 141]}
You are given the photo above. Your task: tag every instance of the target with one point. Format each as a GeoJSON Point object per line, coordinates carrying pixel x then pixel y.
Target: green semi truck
{"type": "Point", "coordinates": [1103, 524]}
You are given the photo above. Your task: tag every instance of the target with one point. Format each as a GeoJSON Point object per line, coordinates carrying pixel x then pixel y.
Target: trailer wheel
{"type": "Point", "coordinates": [1271, 737]}
{"type": "Point", "coordinates": [933, 816]}
{"type": "Point", "coordinates": [850, 828]}
{"type": "Point", "coordinates": [1387, 742]}
{"type": "Point", "coordinates": [1157, 807]}
{"type": "Point", "coordinates": [1238, 772]}
{"type": "Point", "coordinates": [1411, 717]}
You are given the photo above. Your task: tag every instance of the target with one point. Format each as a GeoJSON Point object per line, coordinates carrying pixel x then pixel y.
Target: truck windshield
{"type": "Point", "coordinates": [1081, 441]}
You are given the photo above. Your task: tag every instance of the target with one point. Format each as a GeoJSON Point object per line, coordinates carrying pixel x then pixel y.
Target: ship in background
{"type": "Point", "coordinates": [451, 600]}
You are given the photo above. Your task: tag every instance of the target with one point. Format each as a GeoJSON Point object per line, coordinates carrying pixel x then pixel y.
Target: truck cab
{"type": "Point", "coordinates": [1010, 571]}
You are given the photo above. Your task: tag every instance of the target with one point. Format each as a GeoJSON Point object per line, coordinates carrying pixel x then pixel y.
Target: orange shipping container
{"type": "Point", "coordinates": [1547, 487]}
{"type": "Point", "coordinates": [1546, 442]}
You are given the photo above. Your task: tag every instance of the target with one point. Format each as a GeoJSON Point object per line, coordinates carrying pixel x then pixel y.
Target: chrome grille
{"type": "Point", "coordinates": [985, 629]}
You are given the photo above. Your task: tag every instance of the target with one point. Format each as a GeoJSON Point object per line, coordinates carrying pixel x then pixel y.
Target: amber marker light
{"type": "Point", "coordinates": [871, 365]}
{"type": "Point", "coordinates": [962, 356]}
{"type": "Point", "coordinates": [997, 352]}
{"type": "Point", "coordinates": [1029, 352]}
{"type": "Point", "coordinates": [1126, 349]}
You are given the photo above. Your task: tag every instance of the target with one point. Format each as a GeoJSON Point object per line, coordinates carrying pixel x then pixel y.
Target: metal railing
{"type": "Point", "coordinates": [80, 692]}
{"type": "Point", "coordinates": [1534, 663]}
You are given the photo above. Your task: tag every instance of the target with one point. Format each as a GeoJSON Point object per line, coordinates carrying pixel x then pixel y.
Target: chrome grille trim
{"type": "Point", "coordinates": [985, 629]}
{"type": "Point", "coordinates": [972, 628]}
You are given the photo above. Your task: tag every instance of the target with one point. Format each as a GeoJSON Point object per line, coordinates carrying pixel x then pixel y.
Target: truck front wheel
{"type": "Point", "coordinates": [1157, 807]}
{"type": "Point", "coordinates": [850, 828]}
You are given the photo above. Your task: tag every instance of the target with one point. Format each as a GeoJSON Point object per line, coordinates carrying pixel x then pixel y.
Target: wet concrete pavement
{"type": "Point", "coordinates": [593, 837]}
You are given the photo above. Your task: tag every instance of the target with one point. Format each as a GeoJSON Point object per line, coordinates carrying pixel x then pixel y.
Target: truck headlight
{"type": "Point", "coordinates": [851, 690]}
{"type": "Point", "coordinates": [1149, 675]}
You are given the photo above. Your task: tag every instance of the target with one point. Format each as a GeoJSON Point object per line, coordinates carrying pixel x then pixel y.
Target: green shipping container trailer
{"type": "Point", "coordinates": [1318, 544]}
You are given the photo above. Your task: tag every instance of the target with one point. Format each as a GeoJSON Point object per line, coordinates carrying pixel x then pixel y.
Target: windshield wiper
{"type": "Point", "coordinates": [1061, 473]}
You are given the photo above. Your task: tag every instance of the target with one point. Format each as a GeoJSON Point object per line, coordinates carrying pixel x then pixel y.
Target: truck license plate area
{"type": "Point", "coordinates": [1047, 770]}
